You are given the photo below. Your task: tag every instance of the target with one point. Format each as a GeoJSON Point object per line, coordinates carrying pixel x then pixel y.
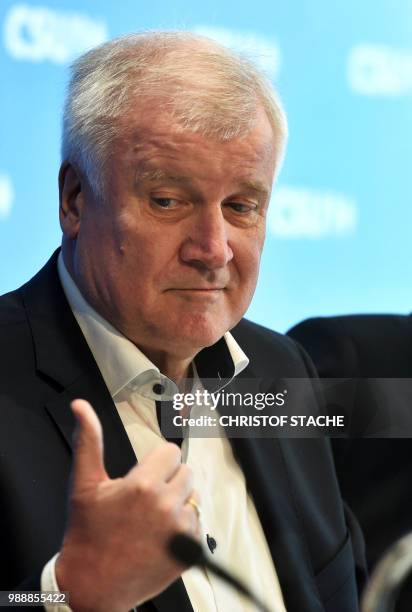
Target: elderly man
{"type": "Point", "coordinates": [170, 147]}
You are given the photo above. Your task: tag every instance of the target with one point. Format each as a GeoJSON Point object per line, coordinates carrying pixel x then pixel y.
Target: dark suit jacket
{"type": "Point", "coordinates": [375, 475]}
{"type": "Point", "coordinates": [46, 363]}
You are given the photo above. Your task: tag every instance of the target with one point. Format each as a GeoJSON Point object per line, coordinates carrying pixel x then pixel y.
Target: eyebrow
{"type": "Point", "coordinates": [161, 175]}
{"type": "Point", "coordinates": [254, 186]}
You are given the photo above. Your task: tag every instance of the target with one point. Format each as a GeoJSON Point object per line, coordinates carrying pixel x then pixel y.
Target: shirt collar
{"type": "Point", "coordinates": [122, 364]}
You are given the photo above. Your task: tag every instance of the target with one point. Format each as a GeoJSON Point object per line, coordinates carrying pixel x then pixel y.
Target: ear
{"type": "Point", "coordinates": [71, 197]}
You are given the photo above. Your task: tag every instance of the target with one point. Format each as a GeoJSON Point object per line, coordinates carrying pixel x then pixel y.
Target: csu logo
{"type": "Point", "coordinates": [39, 33]}
{"type": "Point", "coordinates": [299, 212]}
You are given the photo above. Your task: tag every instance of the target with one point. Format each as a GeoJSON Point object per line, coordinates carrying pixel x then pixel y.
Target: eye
{"type": "Point", "coordinates": [241, 208]}
{"type": "Point", "coordinates": [165, 202]}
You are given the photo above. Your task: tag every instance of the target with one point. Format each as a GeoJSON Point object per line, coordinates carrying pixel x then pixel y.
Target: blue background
{"type": "Point", "coordinates": [339, 229]}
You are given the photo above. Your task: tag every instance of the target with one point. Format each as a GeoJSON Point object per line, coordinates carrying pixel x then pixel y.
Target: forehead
{"type": "Point", "coordinates": [154, 136]}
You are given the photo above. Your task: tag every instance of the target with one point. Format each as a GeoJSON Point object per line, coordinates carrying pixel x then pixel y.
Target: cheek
{"type": "Point", "coordinates": [248, 261]}
{"type": "Point", "coordinates": [145, 262]}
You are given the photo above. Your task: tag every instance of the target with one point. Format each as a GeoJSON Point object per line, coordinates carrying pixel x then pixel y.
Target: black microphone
{"type": "Point", "coordinates": [189, 552]}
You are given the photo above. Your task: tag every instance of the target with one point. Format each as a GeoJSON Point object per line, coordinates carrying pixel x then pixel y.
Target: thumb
{"type": "Point", "coordinates": [88, 469]}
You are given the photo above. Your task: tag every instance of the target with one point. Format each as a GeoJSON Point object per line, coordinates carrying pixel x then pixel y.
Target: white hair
{"type": "Point", "coordinates": [204, 87]}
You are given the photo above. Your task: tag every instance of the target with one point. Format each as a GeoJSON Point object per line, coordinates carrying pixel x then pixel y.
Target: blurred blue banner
{"type": "Point", "coordinates": [340, 221]}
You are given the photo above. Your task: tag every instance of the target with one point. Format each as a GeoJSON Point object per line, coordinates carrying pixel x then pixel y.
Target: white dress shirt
{"type": "Point", "coordinates": [228, 511]}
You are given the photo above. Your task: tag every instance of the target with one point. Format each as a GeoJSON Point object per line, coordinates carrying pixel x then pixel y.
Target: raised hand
{"type": "Point", "coordinates": [114, 554]}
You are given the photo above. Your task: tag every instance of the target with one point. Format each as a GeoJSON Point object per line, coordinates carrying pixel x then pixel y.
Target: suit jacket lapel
{"type": "Point", "coordinates": [63, 356]}
{"type": "Point", "coordinates": [118, 452]}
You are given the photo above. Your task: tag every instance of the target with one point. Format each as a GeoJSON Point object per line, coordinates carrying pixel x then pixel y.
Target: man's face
{"type": "Point", "coordinates": [171, 255]}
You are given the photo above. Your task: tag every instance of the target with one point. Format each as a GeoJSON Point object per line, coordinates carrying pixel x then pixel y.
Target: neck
{"type": "Point", "coordinates": [174, 368]}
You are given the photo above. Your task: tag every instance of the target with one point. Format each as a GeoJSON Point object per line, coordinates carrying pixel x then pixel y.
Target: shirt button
{"type": "Point", "coordinates": [158, 389]}
{"type": "Point", "coordinates": [211, 542]}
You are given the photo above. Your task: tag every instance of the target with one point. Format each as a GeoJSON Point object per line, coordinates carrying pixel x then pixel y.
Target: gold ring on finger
{"type": "Point", "coordinates": [196, 507]}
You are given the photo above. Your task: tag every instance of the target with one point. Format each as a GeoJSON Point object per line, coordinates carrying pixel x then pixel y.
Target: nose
{"type": "Point", "coordinates": [207, 245]}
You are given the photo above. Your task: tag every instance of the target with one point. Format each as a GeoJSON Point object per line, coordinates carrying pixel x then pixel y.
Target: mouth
{"type": "Point", "coordinates": [199, 290]}
{"type": "Point", "coordinates": [199, 293]}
